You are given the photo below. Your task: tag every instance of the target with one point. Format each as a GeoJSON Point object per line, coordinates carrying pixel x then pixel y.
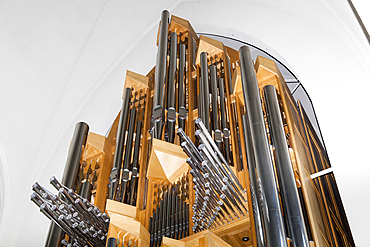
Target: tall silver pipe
{"type": "Point", "coordinates": [70, 173]}
{"type": "Point", "coordinates": [284, 169]}
{"type": "Point", "coordinates": [160, 76]}
{"type": "Point", "coordinates": [256, 205]}
{"type": "Point", "coordinates": [205, 89]}
{"type": "Point", "coordinates": [271, 210]}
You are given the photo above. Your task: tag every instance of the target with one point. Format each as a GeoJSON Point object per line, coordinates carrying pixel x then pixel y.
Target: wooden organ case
{"type": "Point", "coordinates": [163, 174]}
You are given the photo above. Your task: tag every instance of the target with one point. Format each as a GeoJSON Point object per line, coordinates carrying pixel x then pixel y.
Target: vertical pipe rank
{"type": "Point", "coordinates": [271, 210]}
{"type": "Point", "coordinates": [284, 169]}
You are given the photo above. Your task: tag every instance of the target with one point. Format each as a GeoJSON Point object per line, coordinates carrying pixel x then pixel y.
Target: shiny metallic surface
{"type": "Point", "coordinates": [284, 169]}
{"type": "Point", "coordinates": [271, 211]}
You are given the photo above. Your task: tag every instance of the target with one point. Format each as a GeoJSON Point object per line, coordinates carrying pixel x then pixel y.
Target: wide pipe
{"type": "Point", "coordinates": [205, 89]}
{"type": "Point", "coordinates": [256, 205]}
{"type": "Point", "coordinates": [70, 174]}
{"type": "Point", "coordinates": [160, 75]}
{"type": "Point", "coordinates": [284, 169]}
{"type": "Point", "coordinates": [271, 210]}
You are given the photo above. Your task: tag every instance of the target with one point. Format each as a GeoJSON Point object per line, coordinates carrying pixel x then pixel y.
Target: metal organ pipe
{"type": "Point", "coordinates": [271, 210]}
{"type": "Point", "coordinates": [256, 205]}
{"type": "Point", "coordinates": [171, 114]}
{"type": "Point", "coordinates": [205, 88]}
{"type": "Point", "coordinates": [284, 169]}
{"type": "Point", "coordinates": [160, 76]}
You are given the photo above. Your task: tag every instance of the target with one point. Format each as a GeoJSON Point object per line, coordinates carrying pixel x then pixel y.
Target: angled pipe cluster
{"type": "Point", "coordinates": [218, 195]}
{"type": "Point", "coordinates": [84, 223]}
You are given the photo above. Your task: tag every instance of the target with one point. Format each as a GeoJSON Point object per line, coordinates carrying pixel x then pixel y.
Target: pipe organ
{"type": "Point", "coordinates": [209, 149]}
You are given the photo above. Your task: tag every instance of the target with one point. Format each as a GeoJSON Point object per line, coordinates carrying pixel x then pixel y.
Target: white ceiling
{"type": "Point", "coordinates": [64, 61]}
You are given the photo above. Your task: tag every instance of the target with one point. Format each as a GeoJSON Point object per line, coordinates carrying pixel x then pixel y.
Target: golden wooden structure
{"type": "Point", "coordinates": [162, 163]}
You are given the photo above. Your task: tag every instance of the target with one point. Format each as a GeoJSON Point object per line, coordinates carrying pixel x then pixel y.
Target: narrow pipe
{"type": "Point", "coordinates": [69, 175]}
{"type": "Point", "coordinates": [181, 86]}
{"type": "Point", "coordinates": [284, 169]}
{"type": "Point", "coordinates": [213, 75]}
{"type": "Point", "coordinates": [171, 108]}
{"type": "Point", "coordinates": [205, 88]}
{"type": "Point", "coordinates": [271, 211]}
{"type": "Point", "coordinates": [215, 117]}
{"type": "Point", "coordinates": [256, 205]}
{"type": "Point", "coordinates": [160, 76]}
{"type": "Point", "coordinates": [224, 126]}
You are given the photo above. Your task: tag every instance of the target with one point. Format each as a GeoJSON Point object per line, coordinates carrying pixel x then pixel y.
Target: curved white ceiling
{"type": "Point", "coordinates": [65, 61]}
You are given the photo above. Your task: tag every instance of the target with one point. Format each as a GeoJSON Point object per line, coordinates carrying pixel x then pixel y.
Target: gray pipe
{"type": "Point", "coordinates": [214, 97]}
{"type": "Point", "coordinates": [284, 169]}
{"type": "Point", "coordinates": [70, 174]}
{"type": "Point", "coordinates": [256, 205]}
{"type": "Point", "coordinates": [271, 210]}
{"type": "Point", "coordinates": [160, 75]}
{"type": "Point", "coordinates": [205, 89]}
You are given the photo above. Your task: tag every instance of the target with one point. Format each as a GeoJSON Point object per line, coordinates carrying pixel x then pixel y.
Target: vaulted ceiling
{"type": "Point", "coordinates": [62, 62]}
